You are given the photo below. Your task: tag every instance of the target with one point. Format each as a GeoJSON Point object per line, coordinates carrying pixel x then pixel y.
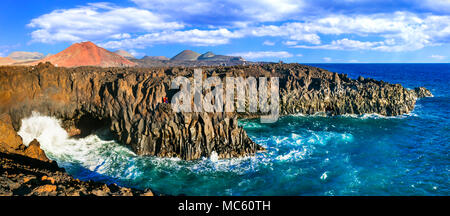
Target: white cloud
{"type": "Point", "coordinates": [214, 22]}
{"type": "Point", "coordinates": [382, 32]}
{"type": "Point", "coordinates": [292, 31]}
{"type": "Point", "coordinates": [193, 37]}
{"type": "Point", "coordinates": [437, 5]}
{"type": "Point", "coordinates": [346, 44]}
{"type": "Point", "coordinates": [326, 59]}
{"type": "Point", "coordinates": [120, 36]}
{"type": "Point", "coordinates": [438, 57]}
{"type": "Point", "coordinates": [268, 43]}
{"type": "Point", "coordinates": [218, 11]}
{"type": "Point", "coordinates": [400, 31]}
{"type": "Point", "coordinates": [263, 54]}
{"type": "Point", "coordinates": [136, 53]}
{"type": "Point", "coordinates": [96, 22]}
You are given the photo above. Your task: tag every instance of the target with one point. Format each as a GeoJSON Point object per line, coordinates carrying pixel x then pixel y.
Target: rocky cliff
{"type": "Point", "coordinates": [129, 102]}
{"type": "Point", "coordinates": [26, 170]}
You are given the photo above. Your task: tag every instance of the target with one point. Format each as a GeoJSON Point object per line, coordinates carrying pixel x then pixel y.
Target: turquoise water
{"type": "Point", "coordinates": [306, 155]}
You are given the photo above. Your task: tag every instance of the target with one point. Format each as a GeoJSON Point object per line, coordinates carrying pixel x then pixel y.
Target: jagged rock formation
{"type": "Point", "coordinates": [129, 102]}
{"type": "Point", "coordinates": [313, 90]}
{"type": "Point", "coordinates": [124, 54]}
{"type": "Point", "coordinates": [422, 92]}
{"type": "Point", "coordinates": [86, 54]}
{"type": "Point", "coordinates": [11, 142]}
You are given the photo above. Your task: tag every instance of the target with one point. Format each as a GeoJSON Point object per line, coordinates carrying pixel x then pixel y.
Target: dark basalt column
{"type": "Point", "coordinates": [129, 101]}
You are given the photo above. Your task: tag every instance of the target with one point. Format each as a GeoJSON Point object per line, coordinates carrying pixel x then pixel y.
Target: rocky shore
{"type": "Point", "coordinates": [24, 176]}
{"type": "Point", "coordinates": [129, 101]}
{"type": "Point", "coordinates": [26, 171]}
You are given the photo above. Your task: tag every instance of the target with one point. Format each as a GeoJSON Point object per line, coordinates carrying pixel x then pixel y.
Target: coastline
{"type": "Point", "coordinates": [89, 107]}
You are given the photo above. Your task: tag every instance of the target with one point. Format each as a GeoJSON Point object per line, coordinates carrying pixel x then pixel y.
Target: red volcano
{"type": "Point", "coordinates": [87, 54]}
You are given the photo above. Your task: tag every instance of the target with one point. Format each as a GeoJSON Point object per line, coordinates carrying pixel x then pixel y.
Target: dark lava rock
{"type": "Point", "coordinates": [422, 92]}
{"type": "Point", "coordinates": [24, 176]}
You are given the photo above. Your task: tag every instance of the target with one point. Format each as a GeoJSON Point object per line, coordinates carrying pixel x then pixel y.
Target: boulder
{"type": "Point", "coordinates": [11, 142]}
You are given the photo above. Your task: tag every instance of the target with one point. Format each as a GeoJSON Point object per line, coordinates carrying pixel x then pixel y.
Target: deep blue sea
{"type": "Point", "coordinates": [307, 155]}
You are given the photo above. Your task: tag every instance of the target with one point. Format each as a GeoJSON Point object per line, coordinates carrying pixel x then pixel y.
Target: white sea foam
{"type": "Point", "coordinates": [324, 176]}
{"type": "Point", "coordinates": [296, 154]}
{"type": "Point", "coordinates": [214, 156]}
{"type": "Point", "coordinates": [45, 129]}
{"type": "Point", "coordinates": [363, 116]}
{"type": "Point", "coordinates": [93, 153]}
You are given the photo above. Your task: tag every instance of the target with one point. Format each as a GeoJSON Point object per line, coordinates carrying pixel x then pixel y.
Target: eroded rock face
{"type": "Point", "coordinates": [26, 170]}
{"type": "Point", "coordinates": [130, 101]}
{"type": "Point", "coordinates": [11, 142]}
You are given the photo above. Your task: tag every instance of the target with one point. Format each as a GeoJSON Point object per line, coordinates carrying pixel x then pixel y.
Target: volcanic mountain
{"type": "Point", "coordinates": [186, 55]}
{"type": "Point", "coordinates": [210, 56]}
{"type": "Point", "coordinates": [206, 55]}
{"type": "Point", "coordinates": [87, 54]}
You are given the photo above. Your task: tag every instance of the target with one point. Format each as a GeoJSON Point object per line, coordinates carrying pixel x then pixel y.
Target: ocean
{"type": "Point", "coordinates": [306, 155]}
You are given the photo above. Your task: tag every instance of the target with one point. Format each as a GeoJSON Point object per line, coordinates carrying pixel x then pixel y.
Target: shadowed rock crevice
{"type": "Point", "coordinates": [130, 102]}
{"type": "Point", "coordinates": [85, 124]}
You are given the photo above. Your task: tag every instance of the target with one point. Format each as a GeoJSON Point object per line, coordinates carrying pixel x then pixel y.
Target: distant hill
{"type": "Point", "coordinates": [161, 58]}
{"type": "Point", "coordinates": [210, 56]}
{"type": "Point", "coordinates": [186, 55]}
{"type": "Point", "coordinates": [206, 55]}
{"type": "Point", "coordinates": [6, 61]}
{"type": "Point", "coordinates": [87, 54]}
{"type": "Point", "coordinates": [125, 54]}
{"type": "Point", "coordinates": [24, 56]}
{"type": "Point", "coordinates": [190, 58]}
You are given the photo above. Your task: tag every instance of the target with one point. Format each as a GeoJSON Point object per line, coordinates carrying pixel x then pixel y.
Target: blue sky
{"type": "Point", "coordinates": [268, 30]}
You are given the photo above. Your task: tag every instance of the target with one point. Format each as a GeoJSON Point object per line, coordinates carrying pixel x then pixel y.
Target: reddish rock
{"type": "Point", "coordinates": [45, 189]}
{"type": "Point", "coordinates": [11, 142]}
{"type": "Point", "coordinates": [34, 151]}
